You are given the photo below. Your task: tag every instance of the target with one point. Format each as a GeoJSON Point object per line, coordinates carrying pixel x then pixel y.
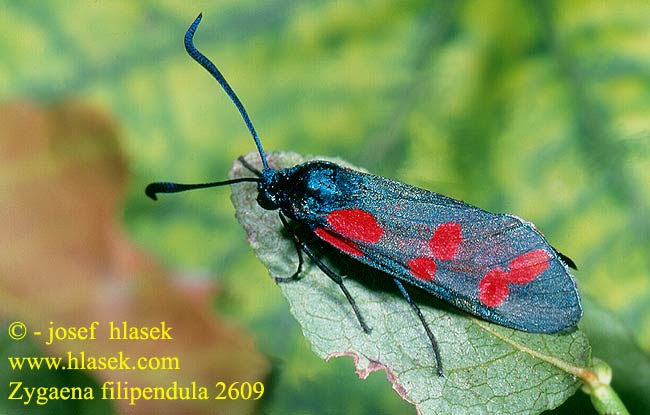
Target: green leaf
{"type": "Point", "coordinates": [487, 368]}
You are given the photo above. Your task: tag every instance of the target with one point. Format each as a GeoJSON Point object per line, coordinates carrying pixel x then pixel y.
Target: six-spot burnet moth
{"type": "Point", "coordinates": [495, 266]}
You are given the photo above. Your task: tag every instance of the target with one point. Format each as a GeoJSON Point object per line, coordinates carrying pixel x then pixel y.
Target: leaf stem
{"type": "Point", "coordinates": [597, 386]}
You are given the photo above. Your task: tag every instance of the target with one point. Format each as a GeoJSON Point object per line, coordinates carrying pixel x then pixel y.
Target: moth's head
{"type": "Point", "coordinates": [269, 189]}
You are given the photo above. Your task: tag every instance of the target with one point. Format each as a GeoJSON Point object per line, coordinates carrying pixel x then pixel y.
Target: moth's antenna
{"type": "Point", "coordinates": [168, 187]}
{"type": "Point", "coordinates": [209, 66]}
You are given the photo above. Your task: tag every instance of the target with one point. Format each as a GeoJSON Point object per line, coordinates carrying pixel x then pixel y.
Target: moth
{"type": "Point", "coordinates": [492, 265]}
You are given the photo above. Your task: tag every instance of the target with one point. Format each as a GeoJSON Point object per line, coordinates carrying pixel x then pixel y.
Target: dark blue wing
{"type": "Point", "coordinates": [496, 266]}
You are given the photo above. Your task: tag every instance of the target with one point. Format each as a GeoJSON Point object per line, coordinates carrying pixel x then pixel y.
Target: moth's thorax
{"type": "Point", "coordinates": [307, 190]}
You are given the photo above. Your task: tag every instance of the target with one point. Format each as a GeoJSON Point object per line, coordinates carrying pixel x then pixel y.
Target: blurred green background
{"type": "Point", "coordinates": [540, 109]}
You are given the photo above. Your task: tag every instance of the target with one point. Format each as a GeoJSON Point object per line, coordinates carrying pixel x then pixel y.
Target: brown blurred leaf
{"type": "Point", "coordinates": [65, 259]}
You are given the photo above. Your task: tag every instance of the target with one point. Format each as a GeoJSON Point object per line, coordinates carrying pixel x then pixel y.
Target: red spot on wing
{"type": "Point", "coordinates": [526, 267]}
{"type": "Point", "coordinates": [493, 288]}
{"type": "Point", "coordinates": [444, 246]}
{"type": "Point", "coordinates": [339, 242]}
{"type": "Point", "coordinates": [445, 241]}
{"type": "Point", "coordinates": [423, 268]}
{"type": "Point", "coordinates": [355, 224]}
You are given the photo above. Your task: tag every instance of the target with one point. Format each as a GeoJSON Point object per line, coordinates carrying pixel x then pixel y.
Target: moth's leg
{"type": "Point", "coordinates": [432, 338]}
{"type": "Point", "coordinates": [566, 259]}
{"type": "Point", "coordinates": [296, 244]}
{"type": "Point", "coordinates": [302, 247]}
{"type": "Point", "coordinates": [339, 281]}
